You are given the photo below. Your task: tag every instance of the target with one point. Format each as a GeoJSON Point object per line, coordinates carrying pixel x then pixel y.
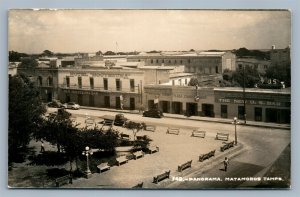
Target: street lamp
{"type": "Point", "coordinates": [87, 152]}
{"type": "Point", "coordinates": [235, 122]}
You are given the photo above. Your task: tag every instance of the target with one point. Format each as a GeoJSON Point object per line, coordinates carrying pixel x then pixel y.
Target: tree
{"type": "Point", "coordinates": [98, 53]}
{"type": "Point", "coordinates": [59, 130]}
{"type": "Point", "coordinates": [25, 113]}
{"type": "Point", "coordinates": [247, 75]}
{"type": "Point", "coordinates": [29, 63]}
{"type": "Point", "coordinates": [14, 56]}
{"type": "Point", "coordinates": [193, 82]}
{"type": "Point", "coordinates": [47, 53]}
{"type": "Point", "coordinates": [109, 53]}
{"type": "Point", "coordinates": [280, 72]}
{"type": "Point", "coordinates": [135, 127]}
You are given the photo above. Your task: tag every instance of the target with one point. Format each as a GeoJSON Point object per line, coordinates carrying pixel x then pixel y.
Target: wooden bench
{"type": "Point", "coordinates": [161, 177]}
{"type": "Point", "coordinates": [63, 180]}
{"type": "Point", "coordinates": [184, 166]}
{"type": "Point", "coordinates": [227, 146]}
{"type": "Point", "coordinates": [150, 128]}
{"type": "Point", "coordinates": [139, 185]}
{"type": "Point", "coordinates": [138, 154]}
{"type": "Point", "coordinates": [198, 133]}
{"type": "Point", "coordinates": [103, 166]}
{"type": "Point", "coordinates": [207, 155]}
{"type": "Point", "coordinates": [125, 136]}
{"type": "Point", "coordinates": [173, 131]}
{"type": "Point", "coordinates": [89, 122]}
{"type": "Point", "coordinates": [121, 159]}
{"type": "Point", "coordinates": [138, 137]}
{"type": "Point", "coordinates": [153, 149]}
{"type": "Point", "coordinates": [222, 136]}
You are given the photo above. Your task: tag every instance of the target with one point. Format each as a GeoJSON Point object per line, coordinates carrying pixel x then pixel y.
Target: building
{"type": "Point", "coordinates": [264, 105]}
{"type": "Point", "coordinates": [260, 65]}
{"type": "Point", "coordinates": [101, 87]}
{"type": "Point", "coordinates": [199, 63]}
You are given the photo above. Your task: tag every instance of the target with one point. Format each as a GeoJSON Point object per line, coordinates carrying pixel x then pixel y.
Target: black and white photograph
{"type": "Point", "coordinates": [153, 99]}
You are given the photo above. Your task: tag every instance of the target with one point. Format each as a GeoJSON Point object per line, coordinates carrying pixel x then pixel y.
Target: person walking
{"type": "Point", "coordinates": [42, 147]}
{"type": "Point", "coordinates": [226, 162]}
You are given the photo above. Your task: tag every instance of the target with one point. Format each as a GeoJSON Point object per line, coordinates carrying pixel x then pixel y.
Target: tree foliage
{"type": "Point", "coordinates": [14, 56]}
{"type": "Point", "coordinates": [280, 72]}
{"type": "Point", "coordinates": [99, 139]}
{"type": "Point", "coordinates": [25, 112]}
{"type": "Point", "coordinates": [29, 63]}
{"type": "Point", "coordinates": [109, 53]}
{"type": "Point", "coordinates": [47, 53]}
{"type": "Point", "coordinates": [193, 82]}
{"type": "Point", "coordinates": [135, 127]}
{"type": "Point", "coordinates": [244, 52]}
{"type": "Point", "coordinates": [246, 77]}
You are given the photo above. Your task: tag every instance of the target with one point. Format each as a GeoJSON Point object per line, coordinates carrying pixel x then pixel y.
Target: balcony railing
{"type": "Point", "coordinates": [95, 88]}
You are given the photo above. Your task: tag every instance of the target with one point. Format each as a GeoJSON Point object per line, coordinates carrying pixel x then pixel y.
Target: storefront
{"type": "Point", "coordinates": [260, 104]}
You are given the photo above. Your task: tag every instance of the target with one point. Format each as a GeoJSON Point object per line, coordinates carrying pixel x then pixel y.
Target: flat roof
{"type": "Point", "coordinates": [254, 90]}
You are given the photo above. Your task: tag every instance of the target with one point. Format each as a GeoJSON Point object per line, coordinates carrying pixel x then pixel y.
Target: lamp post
{"type": "Point", "coordinates": [235, 122]}
{"type": "Point", "coordinates": [87, 152]}
{"type": "Point", "coordinates": [244, 96]}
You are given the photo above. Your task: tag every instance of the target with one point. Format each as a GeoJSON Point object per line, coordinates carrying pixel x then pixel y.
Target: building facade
{"type": "Point", "coordinates": [261, 104]}
{"type": "Point", "coordinates": [108, 88]}
{"type": "Point", "coordinates": [199, 63]}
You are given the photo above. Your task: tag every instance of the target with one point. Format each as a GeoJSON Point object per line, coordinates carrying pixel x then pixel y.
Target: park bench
{"type": "Point", "coordinates": [184, 166]}
{"type": "Point", "coordinates": [103, 166]}
{"type": "Point", "coordinates": [207, 155]}
{"type": "Point", "coordinates": [198, 133]}
{"type": "Point", "coordinates": [150, 128]}
{"type": "Point", "coordinates": [226, 146]}
{"type": "Point", "coordinates": [153, 149]}
{"type": "Point", "coordinates": [138, 154]}
{"type": "Point", "coordinates": [89, 122]}
{"type": "Point", "coordinates": [138, 137]}
{"type": "Point", "coordinates": [171, 130]}
{"type": "Point", "coordinates": [125, 136]}
{"type": "Point", "coordinates": [63, 180]}
{"type": "Point", "coordinates": [121, 159]}
{"type": "Point", "coordinates": [139, 185]}
{"type": "Point", "coordinates": [161, 177]}
{"type": "Point", "coordinates": [222, 136]}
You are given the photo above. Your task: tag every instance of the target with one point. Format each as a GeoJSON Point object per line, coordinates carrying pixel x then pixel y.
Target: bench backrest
{"type": "Point", "coordinates": [121, 158]}
{"type": "Point", "coordinates": [103, 165]}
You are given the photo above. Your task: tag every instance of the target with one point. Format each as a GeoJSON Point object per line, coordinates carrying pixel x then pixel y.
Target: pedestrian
{"type": "Point", "coordinates": [42, 147]}
{"type": "Point", "coordinates": [226, 162]}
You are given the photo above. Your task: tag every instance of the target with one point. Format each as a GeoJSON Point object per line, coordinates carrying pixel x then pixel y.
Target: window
{"type": "Point", "coordinates": [173, 82]}
{"type": "Point", "coordinates": [40, 81]}
{"type": "Point", "coordinates": [217, 69]}
{"type": "Point", "coordinates": [240, 66]}
{"type": "Point", "coordinates": [156, 61]}
{"type": "Point", "coordinates": [175, 62]}
{"type": "Point", "coordinates": [79, 82]}
{"type": "Point", "coordinates": [92, 82]}
{"type": "Point", "coordinates": [223, 111]}
{"type": "Point", "coordinates": [105, 83]}
{"type": "Point", "coordinates": [241, 112]}
{"type": "Point", "coordinates": [185, 81]}
{"type": "Point", "coordinates": [258, 114]}
{"type": "Point", "coordinates": [180, 61]}
{"type": "Point", "coordinates": [132, 85]}
{"type": "Point", "coordinates": [265, 66]}
{"type": "Point", "coordinates": [169, 61]}
{"type": "Point", "coordinates": [50, 81]}
{"type": "Point", "coordinates": [151, 61]}
{"type": "Point", "coordinates": [162, 61]}
{"type": "Point", "coordinates": [118, 85]}
{"type": "Point", "coordinates": [189, 61]}
{"type": "Point", "coordinates": [68, 81]}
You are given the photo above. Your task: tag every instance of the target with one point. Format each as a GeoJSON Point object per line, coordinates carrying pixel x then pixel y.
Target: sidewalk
{"type": "Point", "coordinates": [199, 118]}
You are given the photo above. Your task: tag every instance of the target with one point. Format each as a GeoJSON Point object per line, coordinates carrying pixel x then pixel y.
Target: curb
{"type": "Point", "coordinates": [287, 127]}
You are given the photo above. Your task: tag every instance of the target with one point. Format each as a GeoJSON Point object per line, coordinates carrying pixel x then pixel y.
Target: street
{"type": "Point", "coordinates": [261, 147]}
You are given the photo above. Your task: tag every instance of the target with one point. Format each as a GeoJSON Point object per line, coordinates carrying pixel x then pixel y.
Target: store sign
{"type": "Point", "coordinates": [250, 102]}
{"type": "Point", "coordinates": [97, 74]}
{"type": "Point", "coordinates": [81, 92]}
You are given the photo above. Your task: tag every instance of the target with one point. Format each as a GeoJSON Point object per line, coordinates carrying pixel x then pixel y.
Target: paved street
{"type": "Point", "coordinates": [260, 148]}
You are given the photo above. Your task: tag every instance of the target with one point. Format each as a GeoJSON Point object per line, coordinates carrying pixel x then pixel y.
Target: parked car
{"type": "Point", "coordinates": [120, 120]}
{"type": "Point", "coordinates": [55, 104]}
{"type": "Point", "coordinates": [71, 105]}
{"type": "Point", "coordinates": [153, 113]}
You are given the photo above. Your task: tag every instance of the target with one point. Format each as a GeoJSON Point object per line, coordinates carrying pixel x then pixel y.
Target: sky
{"type": "Point", "coordinates": [69, 31]}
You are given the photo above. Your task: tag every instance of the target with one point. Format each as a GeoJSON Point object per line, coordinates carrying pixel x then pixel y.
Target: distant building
{"type": "Point", "coordinates": [200, 63]}
{"type": "Point", "coordinates": [260, 65]}
{"type": "Point", "coordinates": [12, 68]}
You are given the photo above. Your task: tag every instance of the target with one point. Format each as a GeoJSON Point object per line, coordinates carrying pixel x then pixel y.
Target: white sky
{"type": "Point", "coordinates": [32, 31]}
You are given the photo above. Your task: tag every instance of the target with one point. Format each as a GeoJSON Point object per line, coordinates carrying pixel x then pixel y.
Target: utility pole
{"type": "Point", "coordinates": [244, 96]}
